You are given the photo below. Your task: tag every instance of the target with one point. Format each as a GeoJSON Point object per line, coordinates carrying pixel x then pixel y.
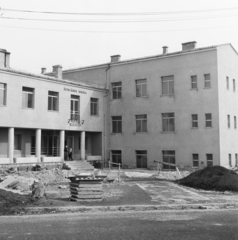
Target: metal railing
{"type": "Point", "coordinates": [119, 169]}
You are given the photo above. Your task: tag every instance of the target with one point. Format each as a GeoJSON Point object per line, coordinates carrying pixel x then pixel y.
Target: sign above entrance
{"type": "Point", "coordinates": [74, 90]}
{"type": "Point", "coordinates": [75, 123]}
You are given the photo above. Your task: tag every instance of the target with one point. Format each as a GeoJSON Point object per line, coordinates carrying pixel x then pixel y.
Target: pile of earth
{"type": "Point", "coordinates": [214, 178]}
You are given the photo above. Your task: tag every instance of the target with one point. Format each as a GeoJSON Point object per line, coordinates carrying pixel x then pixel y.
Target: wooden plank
{"type": "Point", "coordinates": [85, 188]}
{"type": "Point", "coordinates": [85, 185]}
{"type": "Point", "coordinates": [86, 192]}
{"type": "Point", "coordinates": [86, 196]}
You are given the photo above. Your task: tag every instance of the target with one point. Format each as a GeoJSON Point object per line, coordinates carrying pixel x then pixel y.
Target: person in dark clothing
{"type": "Point", "coordinates": [70, 154]}
{"type": "Point", "coordinates": [66, 153]}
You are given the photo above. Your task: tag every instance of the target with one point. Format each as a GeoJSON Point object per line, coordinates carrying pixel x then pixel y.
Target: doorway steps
{"type": "Point", "coordinates": [78, 165]}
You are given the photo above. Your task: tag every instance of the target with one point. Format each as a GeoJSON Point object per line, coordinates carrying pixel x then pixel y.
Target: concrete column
{"type": "Point", "coordinates": [38, 144]}
{"type": "Point", "coordinates": [11, 144]}
{"type": "Point", "coordinates": [62, 140]}
{"type": "Point", "coordinates": [82, 145]}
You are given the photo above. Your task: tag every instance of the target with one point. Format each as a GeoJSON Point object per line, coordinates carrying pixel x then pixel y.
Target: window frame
{"type": "Point", "coordinates": [167, 122]}
{"type": "Point", "coordinates": [141, 88]}
{"type": "Point", "coordinates": [52, 95]}
{"type": "Point", "coordinates": [194, 121]}
{"type": "Point", "coordinates": [208, 120]}
{"type": "Point", "coordinates": [207, 82]}
{"type": "Point", "coordinates": [116, 124]}
{"type": "Point", "coordinates": [141, 123]}
{"type": "Point", "coordinates": [227, 83]}
{"type": "Point", "coordinates": [17, 142]}
{"type": "Point", "coordinates": [170, 155]}
{"type": "Point", "coordinates": [230, 160]}
{"type": "Point", "coordinates": [228, 121]}
{"type": "Point", "coordinates": [194, 77]}
{"type": "Point", "coordinates": [234, 85]}
{"type": "Point", "coordinates": [116, 90]}
{"type": "Point", "coordinates": [94, 107]}
{"type": "Point", "coordinates": [209, 160]}
{"type": "Point", "coordinates": [141, 159]}
{"type": "Point", "coordinates": [235, 122]}
{"type": "Point", "coordinates": [74, 110]}
{"type": "Point", "coordinates": [165, 84]}
{"type": "Point", "coordinates": [26, 92]}
{"type": "Point", "coordinates": [4, 95]}
{"type": "Point", "coordinates": [195, 157]}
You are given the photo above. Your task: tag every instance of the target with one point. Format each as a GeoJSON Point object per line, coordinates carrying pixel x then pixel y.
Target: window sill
{"type": "Point", "coordinates": [116, 133]}
{"type": "Point", "coordinates": [3, 105]}
{"type": "Point", "coordinates": [194, 127]}
{"type": "Point", "coordinates": [143, 97]}
{"type": "Point", "coordinates": [208, 127]}
{"type": "Point", "coordinates": [140, 132]}
{"type": "Point", "coordinates": [170, 96]}
{"type": "Point", "coordinates": [115, 99]}
{"type": "Point", "coordinates": [28, 108]}
{"type": "Point", "coordinates": [94, 115]}
{"type": "Point", "coordinates": [53, 111]}
{"type": "Point", "coordinates": [194, 89]}
{"type": "Point", "coordinates": [207, 88]}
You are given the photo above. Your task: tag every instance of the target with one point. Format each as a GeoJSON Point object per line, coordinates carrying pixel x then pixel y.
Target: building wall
{"type": "Point", "coordinates": [13, 115]}
{"type": "Point", "coordinates": [227, 67]}
{"type": "Point", "coordinates": [184, 141]}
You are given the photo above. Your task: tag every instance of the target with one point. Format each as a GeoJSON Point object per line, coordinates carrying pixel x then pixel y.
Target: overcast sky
{"type": "Point", "coordinates": [81, 40]}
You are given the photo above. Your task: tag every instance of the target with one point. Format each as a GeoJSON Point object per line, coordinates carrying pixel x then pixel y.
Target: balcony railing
{"type": "Point", "coordinates": [74, 117]}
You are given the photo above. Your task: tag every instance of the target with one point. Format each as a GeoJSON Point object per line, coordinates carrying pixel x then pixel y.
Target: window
{"type": "Point", "coordinates": [207, 83]}
{"type": "Point", "coordinates": [227, 82]}
{"type": "Point", "coordinates": [117, 124]}
{"type": "Point", "coordinates": [141, 159]}
{"type": "Point", "coordinates": [230, 161]}
{"type": "Point", "coordinates": [116, 90]}
{"type": "Point", "coordinates": [195, 160]}
{"type": "Point", "coordinates": [169, 158]}
{"type": "Point", "coordinates": [208, 117]}
{"type": "Point", "coordinates": [228, 121]}
{"type": "Point", "coordinates": [235, 122]}
{"type": "Point", "coordinates": [194, 121]}
{"type": "Point", "coordinates": [27, 97]}
{"type": "Point", "coordinates": [141, 88]}
{"type": "Point", "coordinates": [194, 82]}
{"type": "Point", "coordinates": [74, 108]}
{"type": "Point", "coordinates": [209, 160]}
{"type": "Point", "coordinates": [234, 85]}
{"type": "Point", "coordinates": [17, 142]}
{"type": "Point", "coordinates": [53, 101]}
{"type": "Point", "coordinates": [168, 122]}
{"type": "Point", "coordinates": [168, 85]}
{"type": "Point", "coordinates": [94, 107]}
{"type": "Point", "coordinates": [141, 123]}
{"type": "Point", "coordinates": [2, 94]}
{"type": "Point", "coordinates": [236, 156]}
{"type": "Point", "coordinates": [116, 157]}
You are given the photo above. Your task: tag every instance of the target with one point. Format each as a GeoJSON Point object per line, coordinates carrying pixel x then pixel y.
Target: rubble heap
{"type": "Point", "coordinates": [214, 178]}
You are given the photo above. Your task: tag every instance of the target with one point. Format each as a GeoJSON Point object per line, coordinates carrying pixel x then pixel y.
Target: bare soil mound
{"type": "Point", "coordinates": [214, 178]}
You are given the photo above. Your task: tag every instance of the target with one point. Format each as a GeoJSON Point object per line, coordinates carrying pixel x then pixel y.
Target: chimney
{"type": "Point", "coordinates": [165, 50]}
{"type": "Point", "coordinates": [189, 45]}
{"type": "Point", "coordinates": [43, 70]}
{"type": "Point", "coordinates": [115, 58]}
{"type": "Point", "coordinates": [57, 70]}
{"type": "Point", "coordinates": [4, 58]}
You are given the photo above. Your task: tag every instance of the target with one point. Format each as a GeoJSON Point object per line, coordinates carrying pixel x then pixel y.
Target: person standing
{"type": "Point", "coordinates": [66, 153]}
{"type": "Point", "coordinates": [70, 154]}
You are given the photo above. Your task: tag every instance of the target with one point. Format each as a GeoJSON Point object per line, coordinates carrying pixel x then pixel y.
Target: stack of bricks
{"type": "Point", "coordinates": [86, 189]}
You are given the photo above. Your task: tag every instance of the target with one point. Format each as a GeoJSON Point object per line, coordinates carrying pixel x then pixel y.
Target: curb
{"type": "Point", "coordinates": [83, 209]}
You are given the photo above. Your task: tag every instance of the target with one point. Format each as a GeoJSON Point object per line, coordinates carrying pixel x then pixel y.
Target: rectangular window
{"type": "Point", "coordinates": [208, 117]}
{"type": "Point", "coordinates": [194, 82]}
{"type": "Point", "coordinates": [117, 124]}
{"type": "Point", "coordinates": [141, 88]}
{"type": "Point", "coordinates": [74, 108]}
{"type": "Point", "coordinates": [194, 121]}
{"type": "Point", "coordinates": [17, 142]}
{"type": "Point", "coordinates": [168, 85]}
{"type": "Point", "coordinates": [27, 97]}
{"type": "Point", "coordinates": [228, 121]}
{"type": "Point", "coordinates": [116, 90]}
{"type": "Point", "coordinates": [195, 160]}
{"type": "Point", "coordinates": [168, 158]}
{"type": "Point", "coordinates": [230, 161]}
{"type": "Point", "coordinates": [116, 157]}
{"type": "Point", "coordinates": [207, 81]}
{"type": "Point", "coordinates": [235, 125]}
{"type": "Point", "coordinates": [234, 85]}
{"type": "Point", "coordinates": [2, 94]}
{"type": "Point", "coordinates": [168, 122]}
{"type": "Point", "coordinates": [236, 156]}
{"type": "Point", "coordinates": [227, 82]}
{"type": "Point", "coordinates": [209, 160]}
{"type": "Point", "coordinates": [53, 104]}
{"type": "Point", "coordinates": [141, 159]}
{"type": "Point", "coordinates": [141, 123]}
{"type": "Point", "coordinates": [94, 107]}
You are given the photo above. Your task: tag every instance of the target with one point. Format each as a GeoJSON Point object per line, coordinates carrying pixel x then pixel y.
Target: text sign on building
{"type": "Point", "coordinates": [74, 90]}
{"type": "Point", "coordinates": [75, 123]}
